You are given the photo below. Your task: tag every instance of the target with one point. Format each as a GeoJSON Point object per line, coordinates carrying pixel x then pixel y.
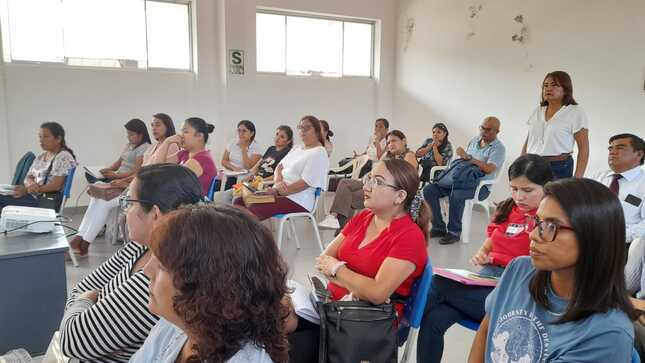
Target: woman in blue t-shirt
{"type": "Point", "coordinates": [567, 302]}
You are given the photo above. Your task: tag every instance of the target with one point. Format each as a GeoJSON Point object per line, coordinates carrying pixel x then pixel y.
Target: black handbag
{"type": "Point", "coordinates": [51, 200]}
{"type": "Point", "coordinates": [357, 331]}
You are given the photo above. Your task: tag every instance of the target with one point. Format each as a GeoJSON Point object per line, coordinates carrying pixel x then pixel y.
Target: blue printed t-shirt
{"type": "Point", "coordinates": [521, 330]}
{"type": "Point", "coordinates": [495, 153]}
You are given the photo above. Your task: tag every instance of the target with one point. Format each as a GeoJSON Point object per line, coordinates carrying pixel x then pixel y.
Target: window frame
{"type": "Point", "coordinates": [342, 19]}
{"type": "Point", "coordinates": [66, 65]}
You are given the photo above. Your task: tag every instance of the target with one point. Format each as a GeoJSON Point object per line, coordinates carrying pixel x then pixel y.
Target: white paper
{"type": "Point", "coordinates": [302, 302]}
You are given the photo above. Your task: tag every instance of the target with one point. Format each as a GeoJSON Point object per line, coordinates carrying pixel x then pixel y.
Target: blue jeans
{"type": "Point", "coordinates": [457, 198]}
{"type": "Point", "coordinates": [27, 200]}
{"type": "Point", "coordinates": [562, 168]}
{"type": "Point", "coordinates": [448, 302]}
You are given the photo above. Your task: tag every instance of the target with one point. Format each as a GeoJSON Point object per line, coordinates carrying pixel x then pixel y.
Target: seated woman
{"type": "Point", "coordinates": [140, 154]}
{"type": "Point", "coordinates": [297, 176]}
{"type": "Point", "coordinates": [131, 157]}
{"type": "Point", "coordinates": [567, 302]}
{"type": "Point", "coordinates": [349, 194]}
{"type": "Point", "coordinates": [48, 171]}
{"type": "Point", "coordinates": [327, 135]}
{"type": "Point", "coordinates": [217, 282]}
{"type": "Point", "coordinates": [436, 151]}
{"type": "Point", "coordinates": [265, 167]}
{"type": "Point", "coordinates": [243, 153]}
{"type": "Point", "coordinates": [382, 250]}
{"type": "Point", "coordinates": [193, 155]}
{"type": "Point", "coordinates": [449, 301]}
{"type": "Point", "coordinates": [115, 295]}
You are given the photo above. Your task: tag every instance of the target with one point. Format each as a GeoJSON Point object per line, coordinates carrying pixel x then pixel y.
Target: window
{"type": "Point", "coordinates": [305, 45]}
{"type": "Point", "coordinates": [102, 33]}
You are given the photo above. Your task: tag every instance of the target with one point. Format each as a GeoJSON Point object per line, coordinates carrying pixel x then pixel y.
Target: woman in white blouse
{"type": "Point", "coordinates": [557, 125]}
{"type": "Point", "coordinates": [243, 153]}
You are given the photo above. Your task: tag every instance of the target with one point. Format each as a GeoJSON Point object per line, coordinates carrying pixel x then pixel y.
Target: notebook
{"type": "Point", "coordinates": [94, 171]}
{"type": "Point", "coordinates": [302, 302]}
{"type": "Point", "coordinates": [465, 277]}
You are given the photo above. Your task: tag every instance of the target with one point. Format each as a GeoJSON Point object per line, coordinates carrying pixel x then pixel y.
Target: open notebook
{"type": "Point", "coordinates": [465, 277]}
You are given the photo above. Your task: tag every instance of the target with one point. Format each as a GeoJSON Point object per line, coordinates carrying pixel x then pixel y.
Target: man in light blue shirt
{"type": "Point", "coordinates": [488, 154]}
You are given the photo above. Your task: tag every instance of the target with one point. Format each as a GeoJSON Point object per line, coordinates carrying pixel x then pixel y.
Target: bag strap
{"type": "Point", "coordinates": [322, 340]}
{"type": "Point", "coordinates": [49, 169]}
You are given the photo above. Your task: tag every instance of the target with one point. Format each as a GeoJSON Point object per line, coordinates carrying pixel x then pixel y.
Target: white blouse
{"type": "Point", "coordinates": [556, 136]}
{"type": "Point", "coordinates": [310, 165]}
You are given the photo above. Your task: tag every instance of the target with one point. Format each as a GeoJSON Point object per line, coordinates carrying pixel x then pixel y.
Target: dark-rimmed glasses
{"type": "Point", "coordinates": [547, 230]}
{"type": "Point", "coordinates": [125, 203]}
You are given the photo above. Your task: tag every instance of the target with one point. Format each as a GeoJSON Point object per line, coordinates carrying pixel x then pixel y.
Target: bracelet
{"type": "Point", "coordinates": [336, 267]}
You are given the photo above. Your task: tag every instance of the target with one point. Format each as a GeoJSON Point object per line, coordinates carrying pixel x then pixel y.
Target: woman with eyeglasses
{"type": "Point", "coordinates": [297, 176]}
{"type": "Point", "coordinates": [435, 151]}
{"type": "Point", "coordinates": [450, 301]}
{"type": "Point", "coordinates": [382, 250]}
{"type": "Point", "coordinates": [349, 193]}
{"type": "Point", "coordinates": [106, 316]}
{"type": "Point", "coordinates": [557, 125]}
{"type": "Point", "coordinates": [243, 153]}
{"type": "Point", "coordinates": [567, 302]}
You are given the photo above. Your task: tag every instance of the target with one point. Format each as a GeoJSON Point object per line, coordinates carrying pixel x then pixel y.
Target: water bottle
{"type": "Point", "coordinates": [16, 356]}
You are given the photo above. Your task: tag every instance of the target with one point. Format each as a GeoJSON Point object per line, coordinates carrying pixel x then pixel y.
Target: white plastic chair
{"type": "Point", "coordinates": [357, 165]}
{"type": "Point", "coordinates": [289, 217]}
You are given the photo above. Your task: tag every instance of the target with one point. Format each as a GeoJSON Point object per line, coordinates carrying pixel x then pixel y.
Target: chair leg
{"type": "Point", "coordinates": [72, 255]}
{"type": "Point", "coordinates": [280, 231]}
{"type": "Point", "coordinates": [317, 233]}
{"type": "Point", "coordinates": [292, 226]}
{"type": "Point", "coordinates": [409, 345]}
{"type": "Point", "coordinates": [466, 220]}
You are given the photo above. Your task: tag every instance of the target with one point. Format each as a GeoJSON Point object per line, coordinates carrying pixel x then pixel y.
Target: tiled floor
{"type": "Point", "coordinates": [458, 339]}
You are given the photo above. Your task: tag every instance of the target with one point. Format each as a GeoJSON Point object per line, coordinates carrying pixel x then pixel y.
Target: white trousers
{"type": "Point", "coordinates": [96, 217]}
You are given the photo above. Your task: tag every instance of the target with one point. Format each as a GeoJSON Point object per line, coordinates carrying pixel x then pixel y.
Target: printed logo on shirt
{"type": "Point", "coordinates": [519, 337]}
{"type": "Point", "coordinates": [514, 229]}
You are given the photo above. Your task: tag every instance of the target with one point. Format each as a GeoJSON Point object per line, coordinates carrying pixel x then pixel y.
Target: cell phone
{"type": "Point", "coordinates": [319, 289]}
{"type": "Point", "coordinates": [248, 186]}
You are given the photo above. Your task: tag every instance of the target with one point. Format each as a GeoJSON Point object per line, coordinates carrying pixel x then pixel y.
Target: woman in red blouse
{"type": "Point", "coordinates": [382, 250]}
{"type": "Point", "coordinates": [450, 301]}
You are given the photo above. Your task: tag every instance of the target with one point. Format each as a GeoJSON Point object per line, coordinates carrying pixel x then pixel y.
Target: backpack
{"type": "Point", "coordinates": [462, 174]}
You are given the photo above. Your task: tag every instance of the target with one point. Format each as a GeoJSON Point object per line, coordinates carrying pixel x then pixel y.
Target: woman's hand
{"type": "Point", "coordinates": [119, 183]}
{"type": "Point", "coordinates": [325, 264]}
{"type": "Point", "coordinates": [174, 139]}
{"type": "Point", "coordinates": [33, 189]}
{"type": "Point", "coordinates": [19, 191]}
{"type": "Point", "coordinates": [480, 258]}
{"type": "Point", "coordinates": [110, 174]}
{"type": "Point", "coordinates": [90, 295]}
{"type": "Point", "coordinates": [281, 187]}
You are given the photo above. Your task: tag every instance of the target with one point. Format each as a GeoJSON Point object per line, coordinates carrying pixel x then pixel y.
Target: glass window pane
{"type": "Point", "coordinates": [357, 51]}
{"type": "Point", "coordinates": [168, 35]}
{"type": "Point", "coordinates": [104, 29]}
{"type": "Point", "coordinates": [314, 46]}
{"type": "Point", "coordinates": [35, 31]}
{"type": "Point", "coordinates": [271, 47]}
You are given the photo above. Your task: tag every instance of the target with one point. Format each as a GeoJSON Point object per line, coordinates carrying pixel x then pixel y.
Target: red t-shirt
{"type": "Point", "coordinates": [207, 164]}
{"type": "Point", "coordinates": [403, 239]}
{"type": "Point", "coordinates": [509, 238]}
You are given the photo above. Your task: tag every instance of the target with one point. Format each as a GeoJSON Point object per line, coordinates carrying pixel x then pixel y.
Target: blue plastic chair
{"type": "Point", "coordinates": [212, 188]}
{"type": "Point", "coordinates": [67, 190]}
{"type": "Point", "coordinates": [288, 217]}
{"type": "Point", "coordinates": [635, 357]}
{"type": "Point", "coordinates": [415, 307]}
{"type": "Point", "coordinates": [22, 168]}
{"type": "Point", "coordinates": [469, 324]}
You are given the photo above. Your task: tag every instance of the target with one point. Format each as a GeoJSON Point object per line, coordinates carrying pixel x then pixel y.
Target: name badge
{"type": "Point", "coordinates": [514, 229]}
{"type": "Point", "coordinates": [633, 200]}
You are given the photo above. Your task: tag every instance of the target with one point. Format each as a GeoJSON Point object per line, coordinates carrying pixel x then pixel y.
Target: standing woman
{"type": "Point", "coordinates": [436, 151]}
{"type": "Point", "coordinates": [243, 153]}
{"type": "Point", "coordinates": [327, 135]}
{"type": "Point", "coordinates": [557, 125]}
{"type": "Point", "coordinates": [193, 155]}
{"type": "Point", "coordinates": [47, 173]}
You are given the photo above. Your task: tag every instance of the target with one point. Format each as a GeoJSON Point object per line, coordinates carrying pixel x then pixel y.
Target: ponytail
{"type": "Point", "coordinates": [201, 126]}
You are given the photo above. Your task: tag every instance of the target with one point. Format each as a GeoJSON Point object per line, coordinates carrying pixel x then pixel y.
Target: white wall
{"type": "Point", "coordinates": [93, 104]}
{"type": "Point", "coordinates": [443, 76]}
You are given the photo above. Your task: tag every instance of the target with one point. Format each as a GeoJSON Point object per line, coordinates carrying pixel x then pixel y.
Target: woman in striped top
{"type": "Point", "coordinates": [106, 316]}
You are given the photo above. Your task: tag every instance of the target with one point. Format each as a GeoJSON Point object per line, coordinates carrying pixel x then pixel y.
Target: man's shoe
{"type": "Point", "coordinates": [449, 239]}
{"type": "Point", "coordinates": [434, 233]}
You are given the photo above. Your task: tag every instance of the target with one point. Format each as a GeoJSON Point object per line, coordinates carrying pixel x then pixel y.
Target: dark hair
{"type": "Point", "coordinates": [535, 168]}
{"type": "Point", "coordinates": [637, 143]}
{"type": "Point", "coordinates": [385, 122]}
{"type": "Point", "coordinates": [316, 124]}
{"type": "Point", "coordinates": [200, 126]}
{"type": "Point", "coordinates": [57, 130]}
{"type": "Point", "coordinates": [441, 126]}
{"type": "Point", "coordinates": [406, 177]}
{"type": "Point", "coordinates": [400, 135]}
{"type": "Point", "coordinates": [598, 223]}
{"type": "Point", "coordinates": [287, 130]}
{"type": "Point", "coordinates": [139, 127]}
{"type": "Point", "coordinates": [563, 80]}
{"type": "Point", "coordinates": [167, 122]}
{"type": "Point", "coordinates": [167, 186]}
{"type": "Point", "coordinates": [250, 126]}
{"type": "Point", "coordinates": [325, 125]}
{"type": "Point", "coordinates": [230, 280]}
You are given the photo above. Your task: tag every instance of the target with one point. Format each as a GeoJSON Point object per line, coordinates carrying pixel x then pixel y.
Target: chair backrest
{"type": "Point", "coordinates": [212, 187]}
{"type": "Point", "coordinates": [357, 164]}
{"type": "Point", "coordinates": [22, 167]}
{"type": "Point", "coordinates": [635, 357]}
{"type": "Point", "coordinates": [67, 190]}
{"type": "Point", "coordinates": [416, 302]}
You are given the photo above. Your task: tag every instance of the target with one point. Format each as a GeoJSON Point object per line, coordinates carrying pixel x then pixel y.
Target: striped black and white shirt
{"type": "Point", "coordinates": [115, 327]}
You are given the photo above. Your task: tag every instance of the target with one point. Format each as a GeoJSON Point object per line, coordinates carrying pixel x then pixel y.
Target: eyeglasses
{"type": "Point", "coordinates": [305, 128]}
{"type": "Point", "coordinates": [370, 182]}
{"type": "Point", "coordinates": [125, 203]}
{"type": "Point", "coordinates": [547, 230]}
